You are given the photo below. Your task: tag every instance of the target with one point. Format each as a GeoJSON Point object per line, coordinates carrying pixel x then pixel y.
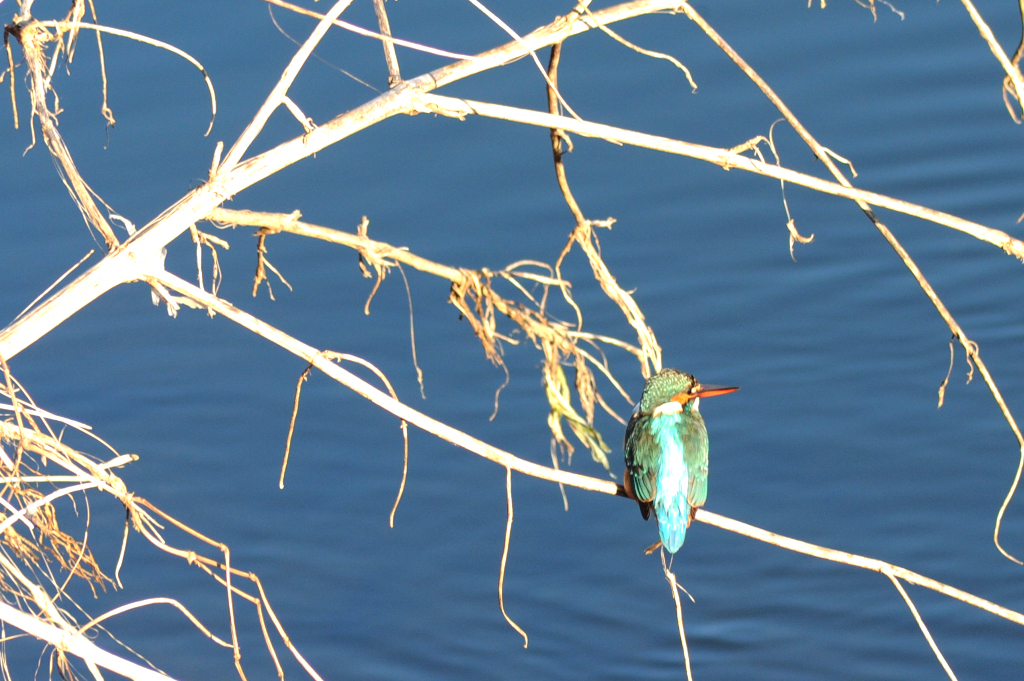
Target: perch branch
{"type": "Point", "coordinates": [856, 561]}
{"type": "Point", "coordinates": [386, 402]}
{"type": "Point", "coordinates": [503, 458]}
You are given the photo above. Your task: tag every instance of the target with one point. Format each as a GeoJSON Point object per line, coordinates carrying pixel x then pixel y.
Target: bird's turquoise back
{"type": "Point", "coordinates": [682, 476]}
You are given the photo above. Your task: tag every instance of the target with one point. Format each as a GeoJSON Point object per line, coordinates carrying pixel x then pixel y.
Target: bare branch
{"type": "Point", "coordinates": [390, 56]}
{"type": "Point", "coordinates": [77, 644]}
{"type": "Point", "coordinates": [1010, 67]}
{"type": "Point", "coordinates": [460, 108]}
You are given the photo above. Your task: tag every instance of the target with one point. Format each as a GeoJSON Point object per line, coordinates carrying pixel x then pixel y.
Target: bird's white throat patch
{"type": "Point", "coordinates": [672, 408]}
{"type": "Point", "coordinates": [667, 408]}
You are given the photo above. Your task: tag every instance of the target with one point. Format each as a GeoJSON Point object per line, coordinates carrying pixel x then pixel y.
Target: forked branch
{"type": "Point", "coordinates": [142, 252]}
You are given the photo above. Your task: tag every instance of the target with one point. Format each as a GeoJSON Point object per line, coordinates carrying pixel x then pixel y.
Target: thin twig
{"type": "Point", "coordinates": [359, 30]}
{"type": "Point", "coordinates": [412, 334]}
{"type": "Point", "coordinates": [394, 74]}
{"type": "Point", "coordinates": [56, 283]}
{"type": "Point", "coordinates": [291, 425]}
{"type": "Point", "coordinates": [922, 626]}
{"type": "Point", "coordinates": [154, 601]}
{"type": "Point", "coordinates": [533, 54]}
{"type": "Point", "coordinates": [674, 586]}
{"type": "Point", "coordinates": [650, 53]}
{"type": "Point", "coordinates": [557, 136]}
{"type": "Point", "coordinates": [504, 559]}
{"type": "Point", "coordinates": [405, 474]}
{"type": "Point", "coordinates": [1012, 72]}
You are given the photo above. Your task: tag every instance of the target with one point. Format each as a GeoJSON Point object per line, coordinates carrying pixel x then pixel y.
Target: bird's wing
{"type": "Point", "coordinates": [642, 454]}
{"type": "Point", "coordinates": [695, 454]}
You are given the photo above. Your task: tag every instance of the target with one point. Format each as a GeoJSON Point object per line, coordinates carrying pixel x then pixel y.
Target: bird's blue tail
{"type": "Point", "coordinates": [672, 520]}
{"type": "Point", "coordinates": [671, 504]}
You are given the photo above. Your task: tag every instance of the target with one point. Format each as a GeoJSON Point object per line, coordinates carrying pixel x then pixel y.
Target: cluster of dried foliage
{"type": "Point", "coordinates": [38, 559]}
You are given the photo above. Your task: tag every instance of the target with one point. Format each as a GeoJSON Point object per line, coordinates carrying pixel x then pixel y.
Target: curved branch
{"type": "Point", "coordinates": [153, 601]}
{"type": "Point", "coordinates": [62, 25]}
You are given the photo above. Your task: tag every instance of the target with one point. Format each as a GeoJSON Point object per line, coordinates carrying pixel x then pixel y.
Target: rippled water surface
{"type": "Point", "coordinates": [834, 438]}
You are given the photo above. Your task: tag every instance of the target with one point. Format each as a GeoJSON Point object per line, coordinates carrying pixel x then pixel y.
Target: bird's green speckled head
{"type": "Point", "coordinates": [663, 386]}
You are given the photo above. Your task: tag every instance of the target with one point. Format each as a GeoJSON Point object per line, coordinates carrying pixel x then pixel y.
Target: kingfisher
{"type": "Point", "coordinates": [666, 449]}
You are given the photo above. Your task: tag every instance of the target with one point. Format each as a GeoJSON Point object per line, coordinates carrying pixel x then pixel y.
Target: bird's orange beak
{"type": "Point", "coordinates": [705, 391]}
{"type": "Point", "coordinates": [712, 390]}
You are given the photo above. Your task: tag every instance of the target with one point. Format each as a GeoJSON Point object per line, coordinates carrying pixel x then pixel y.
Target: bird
{"type": "Point", "coordinates": [666, 451]}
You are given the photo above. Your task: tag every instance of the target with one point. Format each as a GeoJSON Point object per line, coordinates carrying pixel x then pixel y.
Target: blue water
{"type": "Point", "coordinates": [834, 438]}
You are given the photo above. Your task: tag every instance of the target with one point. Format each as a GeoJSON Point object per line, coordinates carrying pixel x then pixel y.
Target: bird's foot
{"type": "Point", "coordinates": [652, 548]}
